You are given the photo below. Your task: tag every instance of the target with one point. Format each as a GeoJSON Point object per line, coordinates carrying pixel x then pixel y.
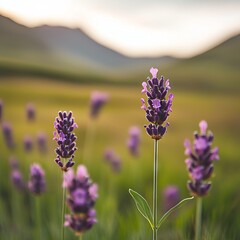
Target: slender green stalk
{"type": "Point", "coordinates": [37, 218]}
{"type": "Point", "coordinates": [88, 140]}
{"type": "Point", "coordinates": [81, 237]}
{"type": "Point", "coordinates": [63, 206]}
{"type": "Point", "coordinates": [198, 226]}
{"type": "Point", "coordinates": [155, 180]}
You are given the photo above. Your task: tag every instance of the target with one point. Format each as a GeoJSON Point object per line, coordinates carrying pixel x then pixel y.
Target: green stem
{"type": "Point", "coordinates": [38, 218]}
{"type": "Point", "coordinates": [81, 237]}
{"type": "Point", "coordinates": [198, 219]}
{"type": "Point", "coordinates": [155, 180]}
{"type": "Point", "coordinates": [63, 211]}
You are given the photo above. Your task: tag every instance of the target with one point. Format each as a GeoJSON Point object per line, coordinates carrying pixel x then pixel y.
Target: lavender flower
{"type": "Point", "coordinates": [8, 135]}
{"type": "Point", "coordinates": [134, 140]}
{"type": "Point", "coordinates": [171, 197]}
{"type": "Point", "coordinates": [16, 175]}
{"type": "Point", "coordinates": [113, 159]}
{"type": "Point", "coordinates": [31, 112]}
{"type": "Point", "coordinates": [65, 138]}
{"type": "Point", "coordinates": [200, 160]}
{"type": "Point", "coordinates": [98, 99]}
{"type": "Point", "coordinates": [37, 183]}
{"type": "Point", "coordinates": [28, 143]}
{"type": "Point", "coordinates": [1, 110]}
{"type": "Point", "coordinates": [42, 142]}
{"type": "Point", "coordinates": [82, 194]}
{"type": "Point", "coordinates": [158, 107]}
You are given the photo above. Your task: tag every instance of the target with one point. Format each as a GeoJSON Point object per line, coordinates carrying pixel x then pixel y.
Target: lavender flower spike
{"type": "Point", "coordinates": [159, 107]}
{"type": "Point", "coordinates": [171, 197]}
{"type": "Point", "coordinates": [134, 140]}
{"type": "Point", "coordinates": [65, 138]}
{"type": "Point", "coordinates": [8, 135]}
{"type": "Point", "coordinates": [98, 99]}
{"type": "Point", "coordinates": [37, 183]}
{"type": "Point", "coordinates": [82, 194]}
{"type": "Point", "coordinates": [31, 112]}
{"type": "Point", "coordinates": [200, 160]}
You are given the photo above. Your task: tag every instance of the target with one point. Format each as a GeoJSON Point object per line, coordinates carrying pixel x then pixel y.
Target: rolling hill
{"type": "Point", "coordinates": [64, 53]}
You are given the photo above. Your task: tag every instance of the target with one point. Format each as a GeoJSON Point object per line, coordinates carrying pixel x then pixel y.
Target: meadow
{"type": "Point", "coordinates": [117, 216]}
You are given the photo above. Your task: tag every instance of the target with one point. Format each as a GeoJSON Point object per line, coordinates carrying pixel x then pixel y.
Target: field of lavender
{"type": "Point", "coordinates": [117, 217]}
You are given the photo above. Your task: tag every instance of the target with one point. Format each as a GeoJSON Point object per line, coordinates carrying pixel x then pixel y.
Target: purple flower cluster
{"type": "Point", "coordinates": [98, 99]}
{"type": "Point", "coordinates": [37, 183]}
{"type": "Point", "coordinates": [31, 112]}
{"type": "Point", "coordinates": [42, 142]}
{"type": "Point", "coordinates": [16, 175]}
{"type": "Point", "coordinates": [82, 194]}
{"type": "Point", "coordinates": [171, 197]}
{"type": "Point", "coordinates": [134, 140]}
{"type": "Point", "coordinates": [65, 138]}
{"type": "Point", "coordinates": [8, 135]}
{"type": "Point", "coordinates": [113, 159]}
{"type": "Point", "coordinates": [200, 160]}
{"type": "Point", "coordinates": [28, 143]}
{"type": "Point", "coordinates": [158, 107]}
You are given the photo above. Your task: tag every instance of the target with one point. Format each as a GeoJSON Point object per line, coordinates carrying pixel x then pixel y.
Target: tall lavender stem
{"type": "Point", "coordinates": [63, 211]}
{"type": "Point", "coordinates": [38, 218]}
{"type": "Point", "coordinates": [155, 181]}
{"type": "Point", "coordinates": [198, 226]}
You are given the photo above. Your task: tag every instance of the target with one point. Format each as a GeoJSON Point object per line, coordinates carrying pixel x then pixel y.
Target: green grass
{"type": "Point", "coordinates": [117, 215]}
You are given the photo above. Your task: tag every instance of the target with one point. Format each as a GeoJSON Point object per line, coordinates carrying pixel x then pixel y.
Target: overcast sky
{"type": "Point", "coordinates": [180, 28]}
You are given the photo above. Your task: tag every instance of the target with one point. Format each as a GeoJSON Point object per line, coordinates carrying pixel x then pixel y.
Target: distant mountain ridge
{"type": "Point", "coordinates": [58, 46]}
{"type": "Point", "coordinates": [65, 53]}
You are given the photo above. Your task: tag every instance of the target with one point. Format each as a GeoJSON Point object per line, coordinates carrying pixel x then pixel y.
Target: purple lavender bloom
{"type": "Point", "coordinates": [98, 99]}
{"type": "Point", "coordinates": [134, 140]}
{"type": "Point", "coordinates": [171, 196]}
{"type": "Point", "coordinates": [28, 143]}
{"type": "Point", "coordinates": [200, 160]}
{"type": "Point", "coordinates": [158, 108]}
{"type": "Point", "coordinates": [42, 142]}
{"type": "Point", "coordinates": [1, 110]}
{"type": "Point", "coordinates": [113, 159]}
{"type": "Point", "coordinates": [31, 112]}
{"type": "Point", "coordinates": [82, 194]}
{"type": "Point", "coordinates": [16, 175]}
{"type": "Point", "coordinates": [37, 183]}
{"type": "Point", "coordinates": [8, 135]}
{"type": "Point", "coordinates": [65, 138]}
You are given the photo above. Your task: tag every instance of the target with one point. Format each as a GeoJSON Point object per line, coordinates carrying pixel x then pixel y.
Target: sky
{"type": "Point", "coordinates": [181, 28]}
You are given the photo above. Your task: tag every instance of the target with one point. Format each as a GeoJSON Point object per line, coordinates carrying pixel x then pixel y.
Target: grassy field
{"type": "Point", "coordinates": [118, 218]}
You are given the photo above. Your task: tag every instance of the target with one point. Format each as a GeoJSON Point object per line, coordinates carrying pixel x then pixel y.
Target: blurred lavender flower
{"type": "Point", "coordinates": [134, 140]}
{"type": "Point", "coordinates": [65, 138]}
{"type": "Point", "coordinates": [200, 160]}
{"type": "Point", "coordinates": [98, 99]}
{"type": "Point", "coordinates": [28, 143]}
{"type": "Point", "coordinates": [37, 183]}
{"type": "Point", "coordinates": [171, 197]}
{"type": "Point", "coordinates": [16, 175]}
{"type": "Point", "coordinates": [113, 159]}
{"type": "Point", "coordinates": [42, 142]}
{"type": "Point", "coordinates": [158, 107]}
{"type": "Point", "coordinates": [8, 135]}
{"type": "Point", "coordinates": [82, 194]}
{"type": "Point", "coordinates": [1, 110]}
{"type": "Point", "coordinates": [31, 112]}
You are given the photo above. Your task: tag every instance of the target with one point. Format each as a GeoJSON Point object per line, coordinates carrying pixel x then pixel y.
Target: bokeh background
{"type": "Point", "coordinates": [55, 54]}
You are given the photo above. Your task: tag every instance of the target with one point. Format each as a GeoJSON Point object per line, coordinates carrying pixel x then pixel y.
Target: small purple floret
{"type": "Point", "coordinates": [159, 106]}
{"type": "Point", "coordinates": [65, 138]}
{"type": "Point", "coordinates": [37, 183]}
{"type": "Point", "coordinates": [82, 194]}
{"type": "Point", "coordinates": [200, 160]}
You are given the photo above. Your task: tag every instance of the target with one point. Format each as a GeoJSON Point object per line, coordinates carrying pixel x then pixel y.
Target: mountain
{"type": "Point", "coordinates": [57, 48]}
{"type": "Point", "coordinates": [65, 53]}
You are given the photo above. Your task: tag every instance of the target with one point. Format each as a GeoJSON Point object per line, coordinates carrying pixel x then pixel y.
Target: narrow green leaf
{"type": "Point", "coordinates": [171, 210]}
{"type": "Point", "coordinates": [142, 206]}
